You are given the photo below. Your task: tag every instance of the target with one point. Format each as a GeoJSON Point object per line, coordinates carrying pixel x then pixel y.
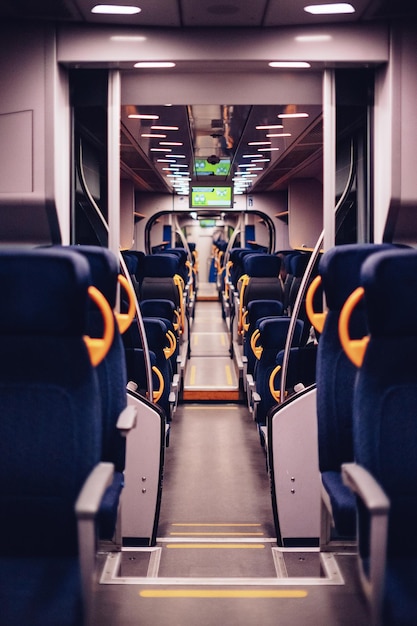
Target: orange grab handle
{"type": "Point", "coordinates": [275, 393]}
{"type": "Point", "coordinates": [124, 320]}
{"type": "Point", "coordinates": [317, 319]}
{"type": "Point", "coordinates": [257, 350]}
{"type": "Point", "coordinates": [158, 393]}
{"type": "Point", "coordinates": [99, 347]}
{"type": "Point", "coordinates": [354, 348]}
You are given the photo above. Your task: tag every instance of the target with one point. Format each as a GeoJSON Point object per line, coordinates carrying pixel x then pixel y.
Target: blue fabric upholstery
{"type": "Point", "coordinates": [273, 334]}
{"type": "Point", "coordinates": [340, 272]}
{"type": "Point", "coordinates": [258, 309]}
{"type": "Point", "coordinates": [263, 270]}
{"type": "Point", "coordinates": [50, 433]}
{"type": "Point", "coordinates": [384, 414]}
{"type": "Point", "coordinates": [112, 376]}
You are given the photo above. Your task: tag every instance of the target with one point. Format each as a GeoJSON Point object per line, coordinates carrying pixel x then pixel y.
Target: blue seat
{"type": "Point", "coordinates": [272, 337]}
{"type": "Point", "coordinates": [50, 437]}
{"type": "Point", "coordinates": [112, 376]}
{"type": "Point", "coordinates": [256, 310]}
{"type": "Point", "coordinates": [385, 434]}
{"type": "Point", "coordinates": [339, 272]}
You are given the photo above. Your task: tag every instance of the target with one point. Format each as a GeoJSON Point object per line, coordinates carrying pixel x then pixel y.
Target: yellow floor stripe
{"type": "Point", "coordinates": [222, 340]}
{"type": "Point", "coordinates": [192, 375]}
{"type": "Point", "coordinates": [229, 375]}
{"type": "Point", "coordinates": [234, 534]}
{"type": "Point", "coordinates": [217, 546]}
{"type": "Point", "coordinates": [223, 593]}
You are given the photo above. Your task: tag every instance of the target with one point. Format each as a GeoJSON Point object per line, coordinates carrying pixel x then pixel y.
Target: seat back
{"type": "Point", "coordinates": [50, 432]}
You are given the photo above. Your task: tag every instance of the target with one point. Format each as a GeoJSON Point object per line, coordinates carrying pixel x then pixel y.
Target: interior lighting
{"type": "Point", "coordinates": [270, 149]}
{"type": "Point", "coordinates": [115, 9]}
{"type": "Point", "coordinates": [154, 64]}
{"type": "Point", "coordinates": [329, 9]}
{"type": "Point", "coordinates": [164, 127]}
{"type": "Point", "coordinates": [259, 143]}
{"type": "Point", "coordinates": [153, 136]}
{"type": "Point", "coordinates": [279, 135]}
{"type": "Point", "coordinates": [289, 64]}
{"type": "Point", "coordinates": [292, 115]}
{"type": "Point", "coordinates": [171, 143]}
{"type": "Point", "coordinates": [143, 116]}
{"type": "Point", "coordinates": [249, 156]}
{"type": "Point", "coordinates": [160, 150]}
{"type": "Point", "coordinates": [270, 127]}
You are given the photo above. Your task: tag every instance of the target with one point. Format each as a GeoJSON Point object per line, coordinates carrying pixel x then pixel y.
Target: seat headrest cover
{"type": "Point", "coordinates": [263, 308]}
{"type": "Point", "coordinates": [44, 292]}
{"type": "Point", "coordinates": [340, 270]}
{"type": "Point", "coordinates": [104, 269]}
{"type": "Point", "coordinates": [160, 265]}
{"type": "Point", "coordinates": [390, 282]}
{"type": "Point", "coordinates": [157, 308]}
{"type": "Point", "coordinates": [259, 265]}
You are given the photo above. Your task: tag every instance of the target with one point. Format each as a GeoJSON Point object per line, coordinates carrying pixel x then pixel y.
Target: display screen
{"type": "Point", "coordinates": [214, 196]}
{"type": "Point", "coordinates": [203, 168]}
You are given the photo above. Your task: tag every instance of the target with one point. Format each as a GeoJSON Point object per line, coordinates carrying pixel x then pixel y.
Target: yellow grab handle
{"type": "Point", "coordinates": [157, 394]}
{"type": "Point", "coordinates": [245, 282]}
{"type": "Point", "coordinates": [124, 320]}
{"type": "Point", "coordinates": [354, 348]}
{"type": "Point", "coordinates": [178, 281]}
{"type": "Point", "coordinates": [275, 393]}
{"type": "Point", "coordinates": [177, 324]}
{"type": "Point", "coordinates": [245, 324]}
{"type": "Point", "coordinates": [257, 350]}
{"type": "Point", "coordinates": [99, 347]}
{"type": "Point", "coordinates": [316, 319]}
{"type": "Point", "coordinates": [169, 350]}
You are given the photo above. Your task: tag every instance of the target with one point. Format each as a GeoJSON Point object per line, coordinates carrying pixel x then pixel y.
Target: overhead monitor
{"type": "Point", "coordinates": [211, 196]}
{"type": "Point", "coordinates": [203, 167]}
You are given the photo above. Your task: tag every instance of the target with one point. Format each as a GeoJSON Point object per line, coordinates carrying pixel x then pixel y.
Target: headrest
{"type": "Point", "coordinates": [160, 265]}
{"type": "Point", "coordinates": [390, 282]}
{"type": "Point", "coordinates": [274, 332]}
{"type": "Point", "coordinates": [180, 252]}
{"type": "Point", "coordinates": [236, 253]}
{"type": "Point", "coordinates": [261, 265]}
{"type": "Point", "coordinates": [104, 269]}
{"type": "Point", "coordinates": [298, 264]}
{"type": "Point", "coordinates": [134, 260]}
{"type": "Point", "coordinates": [340, 269]}
{"type": "Point", "coordinates": [262, 308]}
{"type": "Point", "coordinates": [157, 308]}
{"type": "Point", "coordinates": [44, 292]}
{"type": "Point", "coordinates": [155, 333]}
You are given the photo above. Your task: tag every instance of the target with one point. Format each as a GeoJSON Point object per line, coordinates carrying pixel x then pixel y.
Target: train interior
{"type": "Point", "coordinates": [197, 314]}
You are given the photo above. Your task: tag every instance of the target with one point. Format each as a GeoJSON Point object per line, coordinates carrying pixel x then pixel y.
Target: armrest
{"type": "Point", "coordinates": [86, 508]}
{"type": "Point", "coordinates": [127, 420]}
{"type": "Point", "coordinates": [361, 482]}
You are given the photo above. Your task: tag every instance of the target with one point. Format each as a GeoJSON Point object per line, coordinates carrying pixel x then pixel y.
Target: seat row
{"type": "Point", "coordinates": [64, 415]}
{"type": "Point", "coordinates": [367, 432]}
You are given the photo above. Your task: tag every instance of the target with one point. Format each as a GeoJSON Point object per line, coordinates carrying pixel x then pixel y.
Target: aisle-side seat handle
{"type": "Point", "coordinates": [354, 348]}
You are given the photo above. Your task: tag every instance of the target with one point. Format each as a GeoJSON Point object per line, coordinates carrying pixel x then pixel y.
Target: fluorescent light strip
{"type": "Point", "coordinates": [292, 115]}
{"type": "Point", "coordinates": [151, 136]}
{"type": "Point", "coordinates": [270, 149]}
{"type": "Point", "coordinates": [113, 9]}
{"type": "Point", "coordinates": [279, 135]}
{"type": "Point", "coordinates": [171, 143]}
{"type": "Point", "coordinates": [164, 127]}
{"type": "Point", "coordinates": [329, 9]}
{"type": "Point", "coordinates": [259, 143]}
{"type": "Point", "coordinates": [289, 64]}
{"type": "Point", "coordinates": [270, 127]}
{"type": "Point", "coordinates": [143, 116]}
{"type": "Point", "coordinates": [154, 64]}
{"type": "Point", "coordinates": [160, 150]}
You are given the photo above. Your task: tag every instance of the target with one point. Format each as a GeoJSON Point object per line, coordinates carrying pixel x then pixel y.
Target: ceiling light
{"type": "Point", "coordinates": [290, 115]}
{"type": "Point", "coordinates": [154, 64]}
{"type": "Point", "coordinates": [164, 127]}
{"type": "Point", "coordinates": [249, 156]}
{"type": "Point", "coordinates": [160, 150]}
{"type": "Point", "coordinates": [279, 135]}
{"type": "Point", "coordinates": [329, 9]}
{"type": "Point", "coordinates": [171, 143]}
{"type": "Point", "coordinates": [153, 136]}
{"type": "Point", "coordinates": [270, 127]}
{"type": "Point", "coordinates": [258, 143]}
{"type": "Point", "coordinates": [290, 64]}
{"type": "Point", "coordinates": [143, 116]}
{"type": "Point", "coordinates": [270, 149]}
{"type": "Point", "coordinates": [114, 9]}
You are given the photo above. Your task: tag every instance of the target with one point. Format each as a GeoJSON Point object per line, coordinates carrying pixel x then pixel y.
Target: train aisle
{"type": "Point", "coordinates": [216, 560]}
